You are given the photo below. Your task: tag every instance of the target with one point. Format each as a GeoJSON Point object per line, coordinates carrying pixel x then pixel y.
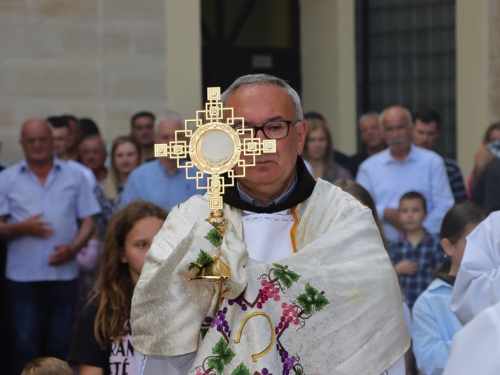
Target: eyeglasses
{"type": "Point", "coordinates": [272, 130]}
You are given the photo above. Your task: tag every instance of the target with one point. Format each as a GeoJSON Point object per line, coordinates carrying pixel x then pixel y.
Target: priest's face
{"type": "Point", "coordinates": [259, 104]}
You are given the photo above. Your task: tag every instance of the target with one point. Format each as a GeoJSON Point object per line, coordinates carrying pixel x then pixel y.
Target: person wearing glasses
{"type": "Point", "coordinates": [312, 289]}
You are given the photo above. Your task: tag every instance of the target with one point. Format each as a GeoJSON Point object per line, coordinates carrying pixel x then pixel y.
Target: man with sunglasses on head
{"type": "Point", "coordinates": [310, 279]}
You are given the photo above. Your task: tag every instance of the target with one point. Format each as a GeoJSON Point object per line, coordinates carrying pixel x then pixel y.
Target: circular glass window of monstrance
{"type": "Point", "coordinates": [215, 148]}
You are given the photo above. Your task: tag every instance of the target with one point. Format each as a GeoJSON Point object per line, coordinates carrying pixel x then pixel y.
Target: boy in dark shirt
{"type": "Point", "coordinates": [416, 253]}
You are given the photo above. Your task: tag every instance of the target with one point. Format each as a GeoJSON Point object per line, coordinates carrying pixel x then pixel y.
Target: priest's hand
{"type": "Point", "coordinates": [406, 267]}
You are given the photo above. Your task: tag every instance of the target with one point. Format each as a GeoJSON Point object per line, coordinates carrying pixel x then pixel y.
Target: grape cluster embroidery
{"type": "Point", "coordinates": [294, 313]}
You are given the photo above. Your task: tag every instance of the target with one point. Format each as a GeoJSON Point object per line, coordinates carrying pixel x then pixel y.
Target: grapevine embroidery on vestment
{"type": "Point", "coordinates": [214, 237]}
{"type": "Point", "coordinates": [293, 313]}
{"type": "Point", "coordinates": [204, 262]}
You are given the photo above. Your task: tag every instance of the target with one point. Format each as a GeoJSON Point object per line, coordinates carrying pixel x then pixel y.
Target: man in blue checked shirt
{"type": "Point", "coordinates": [46, 216]}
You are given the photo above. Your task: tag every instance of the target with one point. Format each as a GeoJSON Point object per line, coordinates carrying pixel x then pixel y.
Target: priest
{"type": "Point", "coordinates": [312, 289]}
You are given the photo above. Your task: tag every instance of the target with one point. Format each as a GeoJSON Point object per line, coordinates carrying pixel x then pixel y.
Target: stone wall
{"type": "Point", "coordinates": [494, 58]}
{"type": "Point", "coordinates": [103, 59]}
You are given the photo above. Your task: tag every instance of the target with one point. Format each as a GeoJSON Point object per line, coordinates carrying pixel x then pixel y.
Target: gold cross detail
{"type": "Point", "coordinates": [215, 147]}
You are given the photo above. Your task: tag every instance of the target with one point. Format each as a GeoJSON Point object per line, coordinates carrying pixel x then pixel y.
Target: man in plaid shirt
{"type": "Point", "coordinates": [416, 253]}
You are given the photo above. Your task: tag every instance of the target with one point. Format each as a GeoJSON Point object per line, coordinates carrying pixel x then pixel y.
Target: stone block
{"type": "Point", "coordinates": [71, 9]}
{"type": "Point", "coordinates": [28, 37]}
{"type": "Point", "coordinates": [52, 78]}
{"type": "Point", "coordinates": [135, 78]}
{"type": "Point", "coordinates": [150, 41]}
{"type": "Point", "coordinates": [7, 119]}
{"type": "Point", "coordinates": [494, 93]}
{"type": "Point", "coordinates": [133, 10]}
{"type": "Point", "coordinates": [79, 39]}
{"type": "Point", "coordinates": [9, 7]}
{"type": "Point", "coordinates": [117, 38]}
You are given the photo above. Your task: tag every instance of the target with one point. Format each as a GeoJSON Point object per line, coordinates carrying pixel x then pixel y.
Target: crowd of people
{"type": "Point", "coordinates": [76, 226]}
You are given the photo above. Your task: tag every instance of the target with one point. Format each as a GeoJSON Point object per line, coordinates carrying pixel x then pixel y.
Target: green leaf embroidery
{"type": "Point", "coordinates": [224, 356]}
{"type": "Point", "coordinates": [286, 276]}
{"type": "Point", "coordinates": [312, 299]}
{"type": "Point", "coordinates": [241, 370]}
{"type": "Point", "coordinates": [298, 371]}
{"type": "Point", "coordinates": [204, 261]}
{"type": "Point", "coordinates": [214, 237]}
{"type": "Point", "coordinates": [203, 332]}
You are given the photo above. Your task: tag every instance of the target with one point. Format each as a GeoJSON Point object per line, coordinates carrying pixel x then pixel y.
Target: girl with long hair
{"type": "Point", "coordinates": [125, 156]}
{"type": "Point", "coordinates": [103, 343]}
{"type": "Point", "coordinates": [434, 324]}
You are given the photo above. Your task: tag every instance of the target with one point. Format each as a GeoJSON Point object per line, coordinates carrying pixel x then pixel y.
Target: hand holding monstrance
{"type": "Point", "coordinates": [215, 148]}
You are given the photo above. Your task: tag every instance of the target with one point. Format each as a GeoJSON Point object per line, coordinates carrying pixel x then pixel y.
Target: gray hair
{"type": "Point", "coordinates": [366, 115]}
{"type": "Point", "coordinates": [168, 116]}
{"type": "Point", "coordinates": [406, 112]}
{"type": "Point", "coordinates": [92, 137]}
{"type": "Point", "coordinates": [260, 79]}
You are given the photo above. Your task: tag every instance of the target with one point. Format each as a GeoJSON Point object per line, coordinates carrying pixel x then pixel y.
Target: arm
{"type": "Point", "coordinates": [441, 198]}
{"type": "Point", "coordinates": [86, 208]}
{"type": "Point", "coordinates": [363, 178]}
{"type": "Point", "coordinates": [85, 350]}
{"type": "Point", "coordinates": [89, 370]}
{"type": "Point", "coordinates": [430, 349]}
{"type": "Point", "coordinates": [88, 256]}
{"type": "Point", "coordinates": [406, 267]}
{"type": "Point", "coordinates": [483, 158]}
{"type": "Point", "coordinates": [32, 226]}
{"type": "Point", "coordinates": [391, 216]}
{"type": "Point", "coordinates": [65, 252]}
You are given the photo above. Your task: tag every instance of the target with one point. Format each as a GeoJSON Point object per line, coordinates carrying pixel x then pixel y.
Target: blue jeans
{"type": "Point", "coordinates": [41, 315]}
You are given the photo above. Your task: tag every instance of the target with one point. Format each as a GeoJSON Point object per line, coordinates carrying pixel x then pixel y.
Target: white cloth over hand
{"type": "Point", "coordinates": [361, 329]}
{"type": "Point", "coordinates": [474, 349]}
{"type": "Point", "coordinates": [477, 286]}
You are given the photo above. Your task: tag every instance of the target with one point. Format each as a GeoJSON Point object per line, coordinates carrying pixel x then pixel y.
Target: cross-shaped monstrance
{"type": "Point", "coordinates": [215, 147]}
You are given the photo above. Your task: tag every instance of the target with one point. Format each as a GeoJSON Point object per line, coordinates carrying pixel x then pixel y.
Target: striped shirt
{"type": "Point", "coordinates": [283, 197]}
{"type": "Point", "coordinates": [456, 180]}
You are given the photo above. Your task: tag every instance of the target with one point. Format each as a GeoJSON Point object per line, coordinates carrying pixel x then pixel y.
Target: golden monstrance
{"type": "Point", "coordinates": [215, 148]}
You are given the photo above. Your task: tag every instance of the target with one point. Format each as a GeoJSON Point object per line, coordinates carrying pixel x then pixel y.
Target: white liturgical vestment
{"type": "Point", "coordinates": [325, 309]}
{"type": "Point", "coordinates": [474, 349]}
{"type": "Point", "coordinates": [477, 286]}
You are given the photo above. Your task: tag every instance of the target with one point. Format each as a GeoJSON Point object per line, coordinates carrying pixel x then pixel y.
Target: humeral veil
{"type": "Point", "coordinates": [333, 306]}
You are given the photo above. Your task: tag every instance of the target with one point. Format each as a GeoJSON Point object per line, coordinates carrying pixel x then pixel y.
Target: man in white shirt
{"type": "Point", "coordinates": [402, 168]}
